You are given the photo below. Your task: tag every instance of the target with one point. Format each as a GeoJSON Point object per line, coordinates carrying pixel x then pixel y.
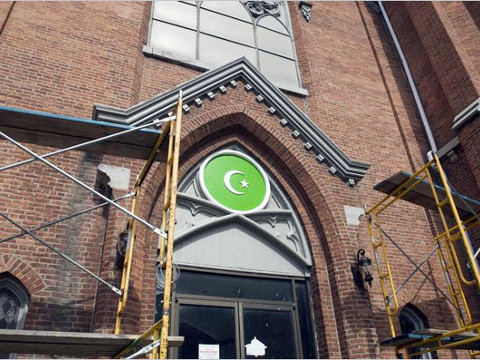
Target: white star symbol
{"type": "Point", "coordinates": [244, 183]}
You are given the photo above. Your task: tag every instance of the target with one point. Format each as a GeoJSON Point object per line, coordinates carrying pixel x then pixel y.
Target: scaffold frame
{"type": "Point", "coordinates": [467, 333]}
{"type": "Point", "coordinates": [171, 128]}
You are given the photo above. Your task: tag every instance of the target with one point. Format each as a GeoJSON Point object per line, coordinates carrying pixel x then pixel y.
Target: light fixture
{"type": "Point", "coordinates": [362, 270]}
{"type": "Point", "coordinates": [122, 248]}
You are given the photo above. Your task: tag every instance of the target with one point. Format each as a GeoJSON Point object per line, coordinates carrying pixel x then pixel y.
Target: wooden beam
{"type": "Point", "coordinates": [68, 343]}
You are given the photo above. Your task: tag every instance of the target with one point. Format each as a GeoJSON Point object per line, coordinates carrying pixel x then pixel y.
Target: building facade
{"type": "Point", "coordinates": [309, 98]}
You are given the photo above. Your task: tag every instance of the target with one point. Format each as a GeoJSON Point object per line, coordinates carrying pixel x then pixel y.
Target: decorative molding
{"type": "Point", "coordinates": [467, 114]}
{"type": "Point", "coordinates": [306, 9]}
{"type": "Point", "coordinates": [217, 80]}
{"type": "Point", "coordinates": [260, 8]}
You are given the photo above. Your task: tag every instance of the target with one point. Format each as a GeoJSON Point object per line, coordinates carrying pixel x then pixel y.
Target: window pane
{"type": "Point", "coordinates": [278, 69]}
{"type": "Point", "coordinates": [207, 325]}
{"type": "Point", "coordinates": [231, 8]}
{"type": "Point", "coordinates": [173, 39]}
{"type": "Point", "coordinates": [270, 329]}
{"type": "Point", "coordinates": [305, 320]}
{"type": "Point", "coordinates": [176, 13]}
{"type": "Point", "coordinates": [272, 23]}
{"type": "Point", "coordinates": [9, 309]}
{"type": "Point", "coordinates": [274, 42]}
{"type": "Point", "coordinates": [226, 27]}
{"type": "Point", "coordinates": [194, 283]}
{"type": "Point", "coordinates": [218, 52]}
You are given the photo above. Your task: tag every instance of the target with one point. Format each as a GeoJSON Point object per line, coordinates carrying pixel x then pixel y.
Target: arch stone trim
{"type": "Point", "coordinates": [277, 104]}
{"type": "Point", "coordinates": [25, 273]}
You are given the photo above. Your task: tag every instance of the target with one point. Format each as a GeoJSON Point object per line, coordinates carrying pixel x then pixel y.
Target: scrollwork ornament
{"type": "Point", "coordinates": [306, 9]}
{"type": "Point", "coordinates": [264, 7]}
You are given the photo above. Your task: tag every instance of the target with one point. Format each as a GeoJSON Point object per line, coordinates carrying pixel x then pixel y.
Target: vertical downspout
{"type": "Point", "coordinates": [411, 82]}
{"type": "Point", "coordinates": [419, 105]}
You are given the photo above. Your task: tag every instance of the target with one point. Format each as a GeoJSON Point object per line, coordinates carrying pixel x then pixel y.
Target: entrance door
{"type": "Point", "coordinates": [270, 328]}
{"type": "Point", "coordinates": [211, 323]}
{"type": "Point", "coordinates": [241, 317]}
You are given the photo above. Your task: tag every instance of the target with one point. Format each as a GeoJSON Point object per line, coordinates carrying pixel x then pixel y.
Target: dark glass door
{"type": "Point", "coordinates": [242, 316]}
{"type": "Point", "coordinates": [207, 325]}
{"type": "Point", "coordinates": [269, 334]}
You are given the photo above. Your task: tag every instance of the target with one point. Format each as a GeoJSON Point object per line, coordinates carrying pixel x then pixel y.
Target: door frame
{"type": "Point", "coordinates": [238, 304]}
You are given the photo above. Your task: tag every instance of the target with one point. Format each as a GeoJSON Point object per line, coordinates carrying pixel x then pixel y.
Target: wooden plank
{"type": "Point", "coordinates": [405, 340]}
{"type": "Point", "coordinates": [402, 340]}
{"type": "Point", "coordinates": [49, 130]}
{"type": "Point", "coordinates": [69, 343]}
{"type": "Point", "coordinates": [434, 332]}
{"type": "Point", "coordinates": [422, 194]}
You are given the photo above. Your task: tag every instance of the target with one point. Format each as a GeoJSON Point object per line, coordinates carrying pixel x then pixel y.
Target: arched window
{"type": "Point", "coordinates": [14, 301]}
{"type": "Point", "coordinates": [411, 319]}
{"type": "Point", "coordinates": [243, 264]}
{"type": "Point", "coordinates": [212, 33]}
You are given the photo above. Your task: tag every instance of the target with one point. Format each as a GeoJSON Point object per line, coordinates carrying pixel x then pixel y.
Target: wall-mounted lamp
{"type": "Point", "coordinates": [122, 248]}
{"type": "Point", "coordinates": [361, 270]}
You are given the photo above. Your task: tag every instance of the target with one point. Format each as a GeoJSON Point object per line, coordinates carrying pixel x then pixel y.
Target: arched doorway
{"type": "Point", "coordinates": [244, 264]}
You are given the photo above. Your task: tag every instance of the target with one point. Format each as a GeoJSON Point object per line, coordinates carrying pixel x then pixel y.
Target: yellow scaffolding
{"type": "Point", "coordinates": [467, 335]}
{"type": "Point", "coordinates": [165, 245]}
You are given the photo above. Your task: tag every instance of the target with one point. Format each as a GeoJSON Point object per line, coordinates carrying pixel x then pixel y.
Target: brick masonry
{"type": "Point", "coordinates": [64, 58]}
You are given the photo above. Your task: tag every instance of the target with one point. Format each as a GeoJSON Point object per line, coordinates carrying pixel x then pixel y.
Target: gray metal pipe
{"type": "Point", "coordinates": [411, 82]}
{"type": "Point", "coordinates": [418, 102]}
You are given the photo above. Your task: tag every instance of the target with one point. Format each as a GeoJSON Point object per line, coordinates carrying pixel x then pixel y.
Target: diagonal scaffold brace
{"type": "Point", "coordinates": [107, 201]}
{"type": "Point", "coordinates": [87, 143]}
{"type": "Point", "coordinates": [66, 257]}
{"type": "Point", "coordinates": [83, 185]}
{"type": "Point", "coordinates": [54, 222]}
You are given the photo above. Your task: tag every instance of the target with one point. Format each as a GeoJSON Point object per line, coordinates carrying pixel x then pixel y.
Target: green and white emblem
{"type": "Point", "coordinates": [234, 181]}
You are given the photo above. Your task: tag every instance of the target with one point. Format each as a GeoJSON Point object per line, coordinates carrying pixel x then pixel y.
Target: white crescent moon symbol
{"type": "Point", "coordinates": [226, 181]}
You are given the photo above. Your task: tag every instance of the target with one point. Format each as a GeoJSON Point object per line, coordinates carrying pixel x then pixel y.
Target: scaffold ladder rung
{"type": "Point", "coordinates": [443, 203]}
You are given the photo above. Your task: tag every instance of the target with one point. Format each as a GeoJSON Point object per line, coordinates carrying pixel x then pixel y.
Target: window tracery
{"type": "Point", "coordinates": [212, 33]}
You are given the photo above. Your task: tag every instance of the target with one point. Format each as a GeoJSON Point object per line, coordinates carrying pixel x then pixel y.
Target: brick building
{"type": "Point", "coordinates": [313, 95]}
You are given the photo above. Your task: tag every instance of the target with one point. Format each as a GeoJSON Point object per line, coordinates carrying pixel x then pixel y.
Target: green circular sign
{"type": "Point", "coordinates": [234, 181]}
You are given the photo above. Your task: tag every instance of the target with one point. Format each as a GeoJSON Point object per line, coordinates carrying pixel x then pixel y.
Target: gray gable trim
{"type": "Point", "coordinates": [278, 105]}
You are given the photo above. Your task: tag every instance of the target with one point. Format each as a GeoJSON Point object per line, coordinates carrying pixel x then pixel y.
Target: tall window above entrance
{"type": "Point", "coordinates": [212, 33]}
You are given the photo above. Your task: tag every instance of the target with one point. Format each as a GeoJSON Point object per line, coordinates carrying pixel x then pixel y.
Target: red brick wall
{"type": "Point", "coordinates": [441, 45]}
{"type": "Point", "coordinates": [63, 58]}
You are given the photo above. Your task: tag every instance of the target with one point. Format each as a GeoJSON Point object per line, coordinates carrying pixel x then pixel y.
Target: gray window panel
{"type": "Point", "coordinates": [218, 52]}
{"type": "Point", "coordinates": [230, 8]}
{"type": "Point", "coordinates": [278, 69]}
{"type": "Point", "coordinates": [272, 23]}
{"type": "Point", "coordinates": [274, 42]}
{"type": "Point", "coordinates": [176, 13]}
{"type": "Point", "coordinates": [284, 14]}
{"type": "Point", "coordinates": [173, 39]}
{"type": "Point", "coordinates": [226, 27]}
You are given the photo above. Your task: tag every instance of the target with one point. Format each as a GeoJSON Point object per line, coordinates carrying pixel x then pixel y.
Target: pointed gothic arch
{"type": "Point", "coordinates": [271, 240]}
